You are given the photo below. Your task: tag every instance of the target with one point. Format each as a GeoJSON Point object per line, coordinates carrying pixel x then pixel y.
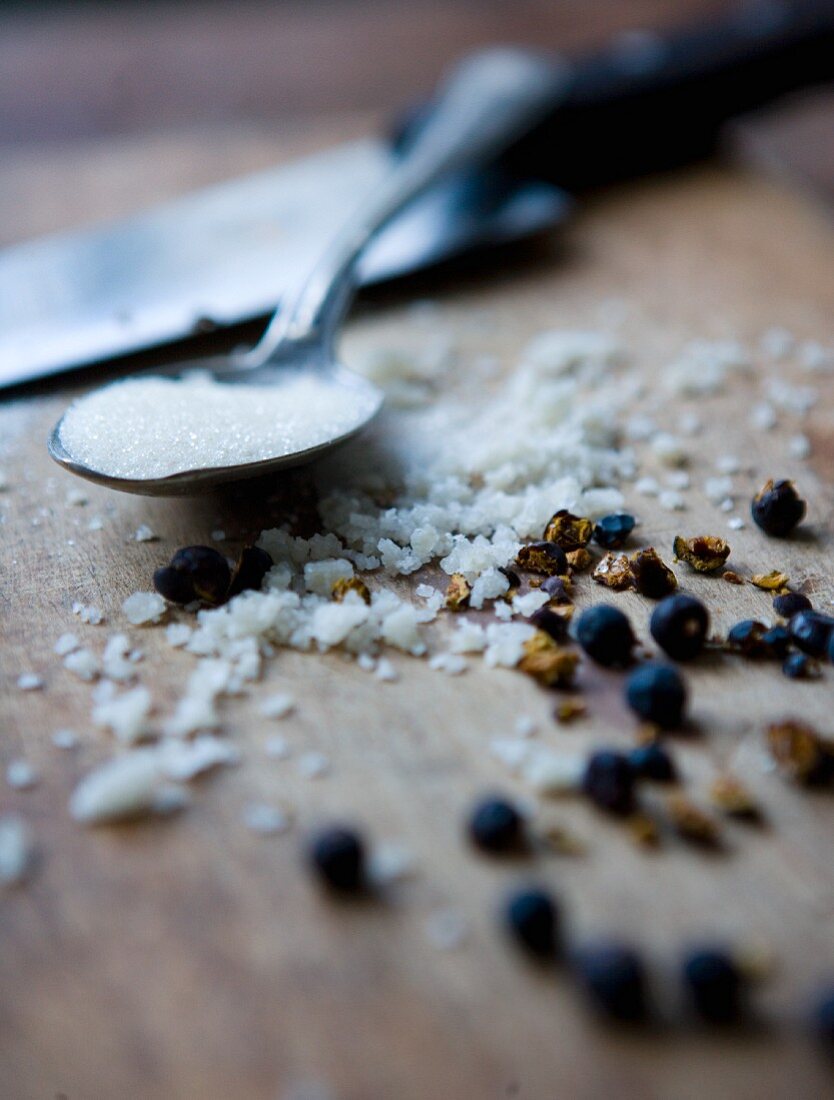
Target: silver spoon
{"type": "Point", "coordinates": [491, 100]}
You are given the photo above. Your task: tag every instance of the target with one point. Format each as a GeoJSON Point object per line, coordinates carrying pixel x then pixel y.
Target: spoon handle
{"type": "Point", "coordinates": [491, 100]}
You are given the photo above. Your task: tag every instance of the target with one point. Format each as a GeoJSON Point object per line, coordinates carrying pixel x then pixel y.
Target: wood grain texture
{"type": "Point", "coordinates": [188, 958]}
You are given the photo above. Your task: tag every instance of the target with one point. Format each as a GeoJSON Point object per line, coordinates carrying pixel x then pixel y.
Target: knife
{"type": "Point", "coordinates": [223, 256]}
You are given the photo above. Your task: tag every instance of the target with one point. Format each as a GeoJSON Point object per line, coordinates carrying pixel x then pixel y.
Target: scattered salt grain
{"type": "Point", "coordinates": [219, 535]}
{"type": "Point", "coordinates": [65, 739]}
{"type": "Point", "coordinates": [736, 523]}
{"type": "Point", "coordinates": [671, 500]}
{"type": "Point", "coordinates": [505, 643]}
{"type": "Point", "coordinates": [116, 662]}
{"type": "Point", "coordinates": [277, 747]}
{"type": "Point", "coordinates": [678, 479]}
{"type": "Point", "coordinates": [17, 850]}
{"type": "Point", "coordinates": [530, 602]}
{"type": "Point", "coordinates": [95, 524]}
{"type": "Point", "coordinates": [143, 607]}
{"type": "Point", "coordinates": [525, 725]}
{"type": "Point", "coordinates": [88, 613]}
{"type": "Point", "coordinates": [77, 498]}
{"type": "Point", "coordinates": [313, 765]}
{"type": "Point", "coordinates": [277, 706]}
{"type": "Point", "coordinates": [763, 417]}
{"type": "Point", "coordinates": [125, 715]}
{"type": "Point", "coordinates": [553, 773]}
{"type": "Point", "coordinates": [452, 663]}
{"type": "Point", "coordinates": [669, 449]}
{"type": "Point", "coordinates": [385, 671]}
{"type": "Point", "coordinates": [82, 663]}
{"type": "Point", "coordinates": [717, 488]}
{"type": "Point", "coordinates": [704, 367]}
{"type": "Point", "coordinates": [65, 644]}
{"type": "Point", "coordinates": [29, 681]}
{"type": "Point", "coordinates": [185, 760]}
{"type": "Point", "coordinates": [727, 504]}
{"type": "Point", "coordinates": [799, 446]}
{"type": "Point", "coordinates": [689, 423]}
{"type": "Point", "coordinates": [390, 863]}
{"type": "Point", "coordinates": [815, 357]}
{"type": "Point", "coordinates": [20, 775]}
{"type": "Point", "coordinates": [124, 787]}
{"type": "Point", "coordinates": [728, 464]}
{"type": "Point", "coordinates": [143, 533]}
{"type": "Point", "coordinates": [640, 428]}
{"type": "Point", "coordinates": [512, 752]}
{"type": "Point", "coordinates": [446, 929]}
{"type": "Point", "coordinates": [320, 576]}
{"type": "Point", "coordinates": [795, 399]}
{"type": "Point", "coordinates": [647, 486]}
{"type": "Point", "coordinates": [424, 591]}
{"type": "Point", "coordinates": [177, 634]}
{"type": "Point", "coordinates": [265, 820]}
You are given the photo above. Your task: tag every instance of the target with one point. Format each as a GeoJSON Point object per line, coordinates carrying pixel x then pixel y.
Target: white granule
{"type": "Point", "coordinates": [177, 634]}
{"type": "Point", "coordinates": [815, 357]}
{"type": "Point", "coordinates": [689, 423]}
{"type": "Point", "coordinates": [502, 610]}
{"type": "Point", "coordinates": [218, 535]}
{"type": "Point", "coordinates": [704, 367]}
{"type": "Point", "coordinates": [77, 498]}
{"type": "Point", "coordinates": [95, 524]}
{"type": "Point", "coordinates": [277, 747]}
{"type": "Point", "coordinates": [185, 760]}
{"type": "Point", "coordinates": [125, 715]}
{"type": "Point", "coordinates": [794, 399]}
{"type": "Point", "coordinates": [88, 613]}
{"type": "Point", "coordinates": [678, 479]}
{"type": "Point", "coordinates": [728, 464]}
{"type": "Point", "coordinates": [17, 850]}
{"type": "Point", "coordinates": [21, 775]}
{"type": "Point", "coordinates": [799, 446]}
{"type": "Point", "coordinates": [264, 819]}
{"type": "Point", "coordinates": [143, 533]}
{"type": "Point", "coordinates": [640, 428]}
{"type": "Point", "coordinates": [66, 644]}
{"type": "Point", "coordinates": [145, 428]}
{"type": "Point", "coordinates": [488, 586]}
{"type": "Point", "coordinates": [446, 929]}
{"type": "Point", "coordinates": [313, 765]}
{"type": "Point", "coordinates": [671, 500]}
{"type": "Point", "coordinates": [29, 681]}
{"type": "Point", "coordinates": [505, 643]}
{"type": "Point", "coordinates": [320, 576]}
{"type": "Point", "coordinates": [277, 706]}
{"type": "Point", "coordinates": [124, 787]}
{"type": "Point", "coordinates": [717, 488]}
{"type": "Point", "coordinates": [117, 660]}
{"type": "Point", "coordinates": [763, 417]}
{"type": "Point", "coordinates": [647, 486]}
{"type": "Point", "coordinates": [65, 739]}
{"type": "Point", "coordinates": [510, 751]}
{"type": "Point", "coordinates": [144, 607]}
{"type": "Point", "coordinates": [553, 773]}
{"type": "Point", "coordinates": [83, 663]}
{"type": "Point", "coordinates": [196, 711]}
{"type": "Point", "coordinates": [532, 601]}
{"type": "Point", "coordinates": [390, 862]}
{"type": "Point", "coordinates": [469, 637]}
{"type": "Point", "coordinates": [366, 662]}
{"type": "Point", "coordinates": [424, 591]}
{"type": "Point", "coordinates": [669, 449]}
{"type": "Point", "coordinates": [525, 725]}
{"type": "Point", "coordinates": [452, 663]}
{"type": "Point", "coordinates": [736, 523]}
{"type": "Point", "coordinates": [385, 671]}
{"type": "Point", "coordinates": [727, 504]}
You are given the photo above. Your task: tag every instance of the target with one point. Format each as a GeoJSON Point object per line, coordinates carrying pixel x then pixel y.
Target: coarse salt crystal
{"type": "Point", "coordinates": [277, 747]}
{"type": "Point", "coordinates": [525, 725]}
{"type": "Point", "coordinates": [385, 671]}
{"type": "Point", "coordinates": [144, 607]}
{"type": "Point", "coordinates": [728, 464]}
{"type": "Point", "coordinates": [177, 634]}
{"type": "Point", "coordinates": [647, 486]}
{"type": "Point", "coordinates": [66, 644]}
{"type": "Point", "coordinates": [313, 765]}
{"type": "Point", "coordinates": [763, 417]}
{"type": "Point", "coordinates": [452, 663]}
{"type": "Point", "coordinates": [446, 929]}
{"type": "Point", "coordinates": [185, 760]}
{"type": "Point", "coordinates": [799, 446]}
{"type": "Point", "coordinates": [124, 787]}
{"type": "Point", "coordinates": [17, 850]}
{"type": "Point", "coordinates": [736, 523]}
{"type": "Point", "coordinates": [125, 715]}
{"type": "Point", "coordinates": [265, 820]}
{"type": "Point", "coordinates": [669, 449]}
{"type": "Point", "coordinates": [144, 533]}
{"type": "Point", "coordinates": [671, 500]}
{"type": "Point", "coordinates": [678, 479]}
{"type": "Point", "coordinates": [530, 602]}
{"type": "Point", "coordinates": [65, 739]}
{"type": "Point", "coordinates": [717, 488]}
{"type": "Point", "coordinates": [29, 681]}
{"type": "Point", "coordinates": [88, 613]}
{"type": "Point", "coordinates": [82, 663]}
{"type": "Point", "coordinates": [727, 504]}
{"type": "Point", "coordinates": [505, 643]}
{"type": "Point", "coordinates": [277, 706]}
{"type": "Point", "coordinates": [77, 498]}
{"type": "Point", "coordinates": [218, 535]}
{"type": "Point", "coordinates": [553, 773]}
{"type": "Point", "coordinates": [21, 775]}
{"type": "Point", "coordinates": [390, 863]}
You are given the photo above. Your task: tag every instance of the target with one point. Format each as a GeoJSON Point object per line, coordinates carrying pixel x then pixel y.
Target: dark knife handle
{"type": "Point", "coordinates": [650, 101]}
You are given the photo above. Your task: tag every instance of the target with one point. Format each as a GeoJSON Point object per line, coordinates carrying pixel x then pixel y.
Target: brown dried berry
{"type": "Point", "coordinates": [705, 553]}
{"type": "Point", "coordinates": [799, 751]}
{"type": "Point", "coordinates": [643, 830]}
{"type": "Point", "coordinates": [547, 662]}
{"type": "Point", "coordinates": [458, 592]}
{"type": "Point", "coordinates": [614, 571]}
{"type": "Point", "coordinates": [729, 795]}
{"type": "Point", "coordinates": [249, 572]}
{"type": "Point", "coordinates": [652, 577]}
{"type": "Point", "coordinates": [351, 584]}
{"type": "Point", "coordinates": [774, 581]}
{"type": "Point", "coordinates": [570, 709]}
{"type": "Point", "coordinates": [569, 531]}
{"type": "Point", "coordinates": [547, 558]}
{"type": "Point", "coordinates": [731, 577]}
{"type": "Point", "coordinates": [690, 822]}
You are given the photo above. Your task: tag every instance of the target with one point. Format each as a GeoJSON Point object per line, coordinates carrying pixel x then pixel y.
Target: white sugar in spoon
{"type": "Point", "coordinates": [192, 426]}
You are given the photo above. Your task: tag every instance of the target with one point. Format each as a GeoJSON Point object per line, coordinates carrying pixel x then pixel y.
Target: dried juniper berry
{"type": "Point", "coordinates": [652, 576]}
{"type": "Point", "coordinates": [746, 638]}
{"type": "Point", "coordinates": [495, 825]}
{"type": "Point", "coordinates": [337, 855]}
{"type": "Point", "coordinates": [777, 640]}
{"type": "Point", "coordinates": [789, 603]}
{"type": "Point", "coordinates": [811, 632]}
{"type": "Point", "coordinates": [542, 557]}
{"type": "Point", "coordinates": [612, 531]}
{"type": "Point", "coordinates": [799, 666]}
{"type": "Point", "coordinates": [657, 694]}
{"type": "Point", "coordinates": [679, 625]}
{"type": "Point", "coordinates": [777, 508]}
{"type": "Point", "coordinates": [532, 918]}
{"type": "Point", "coordinates": [606, 635]}
{"type": "Point", "coordinates": [551, 623]}
{"type": "Point", "coordinates": [608, 781]}
{"type": "Point", "coordinates": [652, 761]}
{"type": "Point", "coordinates": [713, 984]}
{"type": "Point", "coordinates": [249, 572]}
{"type": "Point", "coordinates": [194, 573]}
{"type": "Point", "coordinates": [614, 977]}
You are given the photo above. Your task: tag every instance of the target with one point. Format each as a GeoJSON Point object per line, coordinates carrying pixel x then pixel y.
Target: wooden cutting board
{"type": "Point", "coordinates": [188, 958]}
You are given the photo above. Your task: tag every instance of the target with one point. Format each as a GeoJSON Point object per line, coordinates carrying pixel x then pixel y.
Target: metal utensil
{"type": "Point", "coordinates": [491, 100]}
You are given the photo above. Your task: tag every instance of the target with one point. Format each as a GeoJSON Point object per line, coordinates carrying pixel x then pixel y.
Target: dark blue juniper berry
{"type": "Point", "coordinates": [657, 694]}
{"type": "Point", "coordinates": [799, 666]}
{"type": "Point", "coordinates": [606, 635]}
{"type": "Point", "coordinates": [789, 603]}
{"type": "Point", "coordinates": [713, 984]}
{"type": "Point", "coordinates": [194, 573]}
{"type": "Point", "coordinates": [777, 508]}
{"type": "Point", "coordinates": [495, 825]}
{"type": "Point", "coordinates": [337, 855]}
{"type": "Point", "coordinates": [679, 625]}
{"type": "Point", "coordinates": [652, 761]}
{"type": "Point", "coordinates": [811, 632]}
{"type": "Point", "coordinates": [608, 781]}
{"type": "Point", "coordinates": [614, 978]}
{"type": "Point", "coordinates": [612, 531]}
{"type": "Point", "coordinates": [532, 918]}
